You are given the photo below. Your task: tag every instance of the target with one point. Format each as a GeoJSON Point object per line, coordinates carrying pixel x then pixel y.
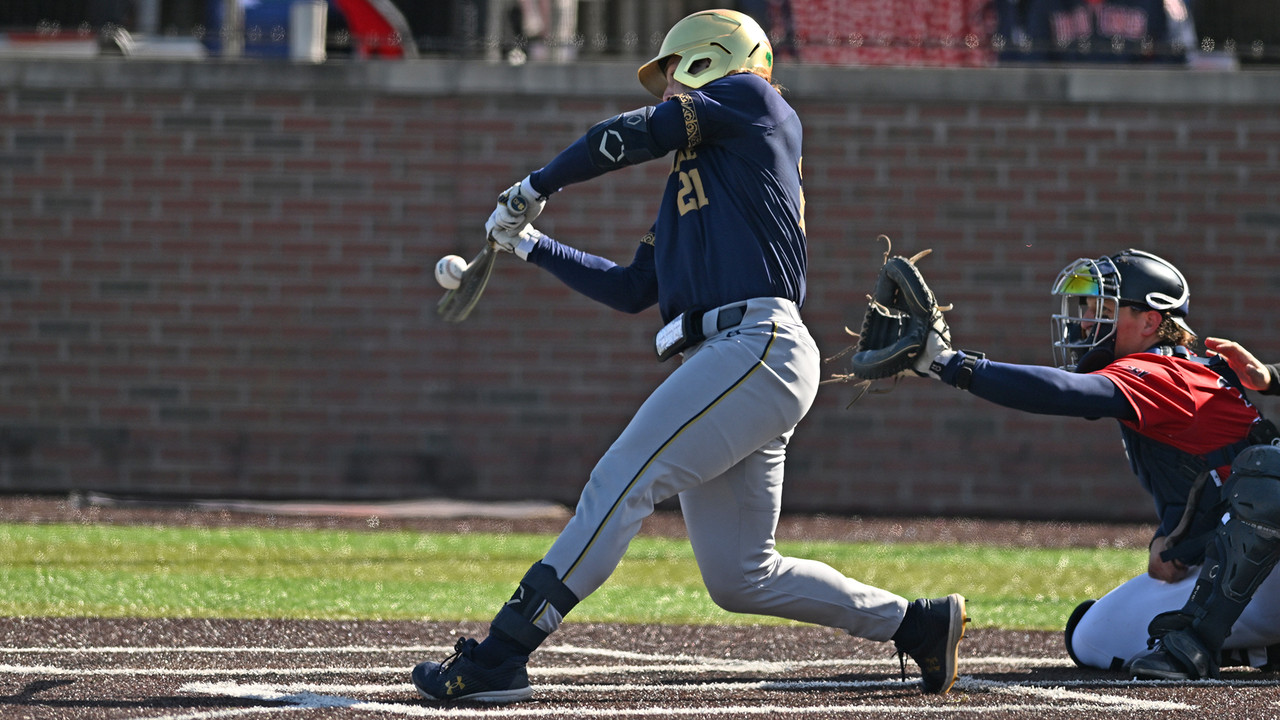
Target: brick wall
{"type": "Point", "coordinates": [216, 279]}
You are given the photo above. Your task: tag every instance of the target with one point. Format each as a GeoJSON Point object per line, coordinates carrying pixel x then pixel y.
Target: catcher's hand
{"type": "Point", "coordinates": [903, 329]}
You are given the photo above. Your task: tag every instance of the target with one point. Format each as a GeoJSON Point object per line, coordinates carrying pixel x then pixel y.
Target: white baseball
{"type": "Point", "coordinates": [449, 271]}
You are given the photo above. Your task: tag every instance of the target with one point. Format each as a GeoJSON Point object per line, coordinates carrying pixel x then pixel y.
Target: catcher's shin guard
{"type": "Point", "coordinates": [1242, 554]}
{"type": "Point", "coordinates": [536, 608]}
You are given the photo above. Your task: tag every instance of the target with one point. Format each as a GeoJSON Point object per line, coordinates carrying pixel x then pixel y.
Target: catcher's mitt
{"type": "Point", "coordinates": [901, 314]}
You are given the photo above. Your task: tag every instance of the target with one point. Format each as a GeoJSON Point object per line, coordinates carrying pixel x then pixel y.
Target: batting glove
{"type": "Point", "coordinates": [519, 243]}
{"type": "Point", "coordinates": [518, 205]}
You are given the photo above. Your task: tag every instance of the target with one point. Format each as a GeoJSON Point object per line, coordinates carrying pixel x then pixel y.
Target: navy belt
{"type": "Point", "coordinates": [694, 326]}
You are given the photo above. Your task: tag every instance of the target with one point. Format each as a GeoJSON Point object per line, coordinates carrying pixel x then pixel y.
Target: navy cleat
{"type": "Point", "coordinates": [460, 678]}
{"type": "Point", "coordinates": [938, 655]}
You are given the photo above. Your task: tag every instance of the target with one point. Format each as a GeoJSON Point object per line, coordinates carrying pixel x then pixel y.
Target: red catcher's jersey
{"type": "Point", "coordinates": [1181, 402]}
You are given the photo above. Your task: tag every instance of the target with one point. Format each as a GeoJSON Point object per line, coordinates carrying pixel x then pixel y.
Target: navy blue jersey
{"type": "Point", "coordinates": [731, 223]}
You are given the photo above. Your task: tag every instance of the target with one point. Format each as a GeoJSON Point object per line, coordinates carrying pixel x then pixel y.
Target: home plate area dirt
{"type": "Point", "coordinates": [91, 668]}
{"type": "Point", "coordinates": [197, 669]}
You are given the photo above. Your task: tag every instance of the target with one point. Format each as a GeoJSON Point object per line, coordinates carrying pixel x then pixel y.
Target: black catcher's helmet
{"type": "Point", "coordinates": [1132, 278]}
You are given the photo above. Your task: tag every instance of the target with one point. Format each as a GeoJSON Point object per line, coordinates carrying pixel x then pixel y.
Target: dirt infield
{"type": "Point", "coordinates": [203, 669]}
{"type": "Point", "coordinates": [193, 670]}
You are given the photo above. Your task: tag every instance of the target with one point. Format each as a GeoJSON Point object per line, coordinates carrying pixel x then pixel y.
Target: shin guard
{"type": "Point", "coordinates": [1243, 551]}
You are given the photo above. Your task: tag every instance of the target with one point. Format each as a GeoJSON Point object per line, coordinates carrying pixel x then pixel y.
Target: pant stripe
{"type": "Point", "coordinates": [758, 364]}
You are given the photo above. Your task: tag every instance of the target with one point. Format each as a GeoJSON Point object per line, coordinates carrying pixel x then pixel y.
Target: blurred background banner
{"type": "Point", "coordinates": [949, 33]}
{"type": "Point", "coordinates": [216, 261]}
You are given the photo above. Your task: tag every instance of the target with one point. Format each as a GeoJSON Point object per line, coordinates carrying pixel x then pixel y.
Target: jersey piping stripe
{"type": "Point", "coordinates": [773, 335]}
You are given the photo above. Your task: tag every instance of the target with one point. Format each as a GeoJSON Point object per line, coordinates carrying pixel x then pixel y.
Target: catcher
{"type": "Point", "coordinates": [1194, 440]}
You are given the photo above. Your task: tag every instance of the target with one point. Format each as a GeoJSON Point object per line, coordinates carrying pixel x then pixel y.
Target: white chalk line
{"type": "Point", "coordinates": [302, 696]}
{"type": "Point", "coordinates": [444, 649]}
{"type": "Point", "coordinates": [754, 667]}
{"type": "Point", "coordinates": [1060, 700]}
{"type": "Point", "coordinates": [674, 662]}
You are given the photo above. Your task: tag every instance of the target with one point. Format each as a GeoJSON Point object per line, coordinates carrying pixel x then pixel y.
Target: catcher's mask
{"type": "Point", "coordinates": [1091, 291]}
{"type": "Point", "coordinates": [730, 40]}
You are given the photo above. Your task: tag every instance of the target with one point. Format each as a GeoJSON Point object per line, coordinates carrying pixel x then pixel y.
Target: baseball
{"type": "Point", "coordinates": [449, 271]}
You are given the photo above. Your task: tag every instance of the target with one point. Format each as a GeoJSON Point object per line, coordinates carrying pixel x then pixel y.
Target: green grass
{"type": "Point", "coordinates": [108, 571]}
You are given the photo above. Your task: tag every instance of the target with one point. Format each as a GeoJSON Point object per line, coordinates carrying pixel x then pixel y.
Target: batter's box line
{"type": "Point", "coordinates": [1067, 698]}
{"type": "Point", "coordinates": [1042, 700]}
{"type": "Point", "coordinates": [668, 661]}
{"type": "Point", "coordinates": [443, 649]}
{"type": "Point", "coordinates": [652, 666]}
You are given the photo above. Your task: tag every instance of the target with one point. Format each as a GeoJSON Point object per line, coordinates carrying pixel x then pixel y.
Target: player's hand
{"type": "Point", "coordinates": [1158, 568]}
{"type": "Point", "coordinates": [1252, 372]}
{"type": "Point", "coordinates": [936, 342]}
{"type": "Point", "coordinates": [519, 243]}
{"type": "Point", "coordinates": [518, 206]}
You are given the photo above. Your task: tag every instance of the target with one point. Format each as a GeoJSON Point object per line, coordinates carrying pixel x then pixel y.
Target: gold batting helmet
{"type": "Point", "coordinates": [729, 39]}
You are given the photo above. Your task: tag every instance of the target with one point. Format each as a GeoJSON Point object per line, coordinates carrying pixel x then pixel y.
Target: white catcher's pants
{"type": "Point", "coordinates": [1114, 629]}
{"type": "Point", "coordinates": [715, 433]}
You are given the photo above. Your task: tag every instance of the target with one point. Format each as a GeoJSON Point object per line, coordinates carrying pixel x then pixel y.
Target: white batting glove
{"type": "Point", "coordinates": [937, 343]}
{"type": "Point", "coordinates": [518, 206]}
{"type": "Point", "coordinates": [518, 243]}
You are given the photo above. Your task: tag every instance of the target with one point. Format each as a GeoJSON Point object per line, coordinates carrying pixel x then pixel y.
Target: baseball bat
{"type": "Point", "coordinates": [457, 303]}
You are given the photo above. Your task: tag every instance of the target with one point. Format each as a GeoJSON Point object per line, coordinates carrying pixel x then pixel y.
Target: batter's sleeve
{"type": "Point", "coordinates": [630, 288]}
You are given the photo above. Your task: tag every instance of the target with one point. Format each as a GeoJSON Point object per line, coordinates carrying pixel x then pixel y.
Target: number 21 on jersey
{"type": "Point", "coordinates": [691, 196]}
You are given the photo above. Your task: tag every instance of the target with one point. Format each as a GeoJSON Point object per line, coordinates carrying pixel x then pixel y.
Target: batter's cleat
{"type": "Point", "coordinates": [460, 678]}
{"type": "Point", "coordinates": [938, 655]}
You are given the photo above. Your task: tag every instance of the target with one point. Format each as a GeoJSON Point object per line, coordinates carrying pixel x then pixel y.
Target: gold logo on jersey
{"type": "Point", "coordinates": [649, 238]}
{"type": "Point", "coordinates": [691, 129]}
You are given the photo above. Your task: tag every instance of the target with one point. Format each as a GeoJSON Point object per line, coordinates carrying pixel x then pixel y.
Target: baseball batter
{"type": "Point", "coordinates": [725, 263]}
{"type": "Point", "coordinates": [1197, 445]}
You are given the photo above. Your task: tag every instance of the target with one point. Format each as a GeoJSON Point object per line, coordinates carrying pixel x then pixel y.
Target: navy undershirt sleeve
{"type": "Point", "coordinates": [1044, 390]}
{"type": "Point", "coordinates": [630, 288]}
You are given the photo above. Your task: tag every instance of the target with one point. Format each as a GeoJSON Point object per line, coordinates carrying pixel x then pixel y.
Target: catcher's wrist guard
{"type": "Point", "coordinates": [956, 368]}
{"type": "Point", "coordinates": [964, 373]}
